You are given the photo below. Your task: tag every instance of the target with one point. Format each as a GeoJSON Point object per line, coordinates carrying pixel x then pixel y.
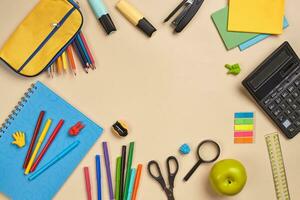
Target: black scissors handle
{"type": "Point", "coordinates": [159, 178]}
{"type": "Point", "coordinates": [172, 175]}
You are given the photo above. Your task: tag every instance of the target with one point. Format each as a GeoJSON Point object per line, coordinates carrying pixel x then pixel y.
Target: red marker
{"type": "Point", "coordinates": [88, 183]}
{"type": "Point", "coordinates": [49, 142]}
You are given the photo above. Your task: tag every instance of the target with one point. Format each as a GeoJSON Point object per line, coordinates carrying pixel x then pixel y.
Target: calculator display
{"type": "Point", "coordinates": [269, 68]}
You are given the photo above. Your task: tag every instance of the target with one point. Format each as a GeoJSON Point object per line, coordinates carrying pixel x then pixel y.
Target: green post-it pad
{"type": "Point", "coordinates": [230, 39]}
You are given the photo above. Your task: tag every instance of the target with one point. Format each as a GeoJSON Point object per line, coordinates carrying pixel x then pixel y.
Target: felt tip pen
{"type": "Point", "coordinates": [102, 15]}
{"type": "Point", "coordinates": [135, 17]}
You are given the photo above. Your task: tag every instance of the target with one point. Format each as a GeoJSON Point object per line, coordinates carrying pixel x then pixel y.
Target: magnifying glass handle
{"type": "Point", "coordinates": [190, 173]}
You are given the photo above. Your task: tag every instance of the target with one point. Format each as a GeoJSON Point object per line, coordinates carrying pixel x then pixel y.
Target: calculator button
{"type": "Point", "coordinates": [297, 82]}
{"type": "Point", "coordinates": [281, 118]}
{"type": "Point", "coordinates": [280, 88]}
{"type": "Point", "coordinates": [294, 116]}
{"type": "Point", "coordinates": [289, 99]}
{"type": "Point", "coordinates": [278, 100]}
{"type": "Point", "coordinates": [291, 129]}
{"type": "Point", "coordinates": [284, 94]}
{"type": "Point", "coordinates": [273, 95]}
{"type": "Point", "coordinates": [271, 106]}
{"type": "Point", "coordinates": [283, 105]}
{"type": "Point", "coordinates": [294, 106]}
{"type": "Point", "coordinates": [276, 111]}
{"type": "Point", "coordinates": [291, 88]}
{"type": "Point", "coordinates": [288, 111]}
{"type": "Point", "coordinates": [295, 94]}
{"type": "Point", "coordinates": [286, 123]}
{"type": "Point", "coordinates": [297, 123]}
{"type": "Point", "coordinates": [267, 101]}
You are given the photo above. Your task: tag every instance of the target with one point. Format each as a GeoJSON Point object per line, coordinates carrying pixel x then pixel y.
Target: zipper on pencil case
{"type": "Point", "coordinates": [55, 29]}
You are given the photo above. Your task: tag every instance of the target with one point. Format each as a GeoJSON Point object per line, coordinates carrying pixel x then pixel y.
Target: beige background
{"type": "Point", "coordinates": [171, 89]}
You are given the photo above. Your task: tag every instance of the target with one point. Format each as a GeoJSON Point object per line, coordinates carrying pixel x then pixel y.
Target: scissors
{"type": "Point", "coordinates": [201, 160]}
{"type": "Point", "coordinates": [171, 176]}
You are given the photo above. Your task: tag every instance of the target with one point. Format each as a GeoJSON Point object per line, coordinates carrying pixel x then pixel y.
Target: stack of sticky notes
{"type": "Point", "coordinates": [243, 127]}
{"type": "Point", "coordinates": [246, 22]}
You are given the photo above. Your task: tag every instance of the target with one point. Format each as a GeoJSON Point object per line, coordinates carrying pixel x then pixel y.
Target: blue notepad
{"type": "Point", "coordinates": [13, 183]}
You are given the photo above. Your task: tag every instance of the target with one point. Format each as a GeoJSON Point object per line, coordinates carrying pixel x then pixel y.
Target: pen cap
{"type": "Point", "coordinates": [102, 15]}
{"type": "Point", "coordinates": [146, 27]}
{"type": "Point", "coordinates": [107, 23]}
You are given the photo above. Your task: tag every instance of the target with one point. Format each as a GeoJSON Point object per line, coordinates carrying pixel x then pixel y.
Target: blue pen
{"type": "Point", "coordinates": [54, 160]}
{"type": "Point", "coordinates": [131, 182]}
{"type": "Point", "coordinates": [98, 172]}
{"type": "Point", "coordinates": [102, 15]}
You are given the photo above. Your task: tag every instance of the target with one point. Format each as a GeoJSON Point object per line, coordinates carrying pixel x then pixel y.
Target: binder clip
{"type": "Point", "coordinates": [191, 7]}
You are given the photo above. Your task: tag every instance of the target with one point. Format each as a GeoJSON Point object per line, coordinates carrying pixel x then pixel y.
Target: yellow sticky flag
{"type": "Point", "coordinates": [243, 127]}
{"type": "Point", "coordinates": [256, 16]}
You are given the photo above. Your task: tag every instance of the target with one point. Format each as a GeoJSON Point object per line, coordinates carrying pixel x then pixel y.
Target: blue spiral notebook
{"type": "Point", "coordinates": [13, 183]}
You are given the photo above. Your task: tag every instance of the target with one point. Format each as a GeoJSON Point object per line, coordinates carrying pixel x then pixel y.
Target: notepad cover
{"type": "Point", "coordinates": [256, 16]}
{"type": "Point", "coordinates": [13, 183]}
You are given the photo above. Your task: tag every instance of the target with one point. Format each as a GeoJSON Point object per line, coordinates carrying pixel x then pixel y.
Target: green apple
{"type": "Point", "coordinates": [228, 177]}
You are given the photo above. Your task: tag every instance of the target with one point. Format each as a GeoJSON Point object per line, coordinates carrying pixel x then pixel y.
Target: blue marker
{"type": "Point", "coordinates": [54, 160]}
{"type": "Point", "coordinates": [131, 183]}
{"type": "Point", "coordinates": [102, 15]}
{"type": "Point", "coordinates": [98, 171]}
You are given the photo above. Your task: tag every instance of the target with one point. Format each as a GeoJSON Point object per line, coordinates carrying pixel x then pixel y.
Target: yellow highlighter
{"type": "Point", "coordinates": [65, 61]}
{"type": "Point", "coordinates": [38, 145]}
{"type": "Point", "coordinates": [135, 17]}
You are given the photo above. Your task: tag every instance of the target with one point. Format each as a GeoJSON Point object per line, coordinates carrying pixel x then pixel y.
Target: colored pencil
{"type": "Point", "coordinates": [122, 177]}
{"type": "Point", "coordinates": [59, 65]}
{"type": "Point", "coordinates": [65, 61]}
{"type": "Point", "coordinates": [128, 170]}
{"type": "Point", "coordinates": [80, 57]}
{"type": "Point", "coordinates": [98, 172]}
{"type": "Point", "coordinates": [131, 182]}
{"type": "Point", "coordinates": [88, 49]}
{"type": "Point", "coordinates": [137, 181]}
{"type": "Point", "coordinates": [47, 145]}
{"type": "Point", "coordinates": [38, 145]}
{"type": "Point", "coordinates": [88, 186]}
{"type": "Point", "coordinates": [54, 160]}
{"type": "Point", "coordinates": [81, 51]}
{"type": "Point", "coordinates": [108, 172]}
{"type": "Point", "coordinates": [71, 59]}
{"type": "Point", "coordinates": [118, 174]}
{"type": "Point", "coordinates": [33, 139]}
{"type": "Point", "coordinates": [84, 50]}
{"type": "Point", "coordinates": [49, 72]}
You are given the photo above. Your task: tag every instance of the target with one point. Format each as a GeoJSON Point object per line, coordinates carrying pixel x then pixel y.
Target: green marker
{"type": "Point", "coordinates": [233, 69]}
{"type": "Point", "coordinates": [128, 171]}
{"type": "Point", "coordinates": [118, 176]}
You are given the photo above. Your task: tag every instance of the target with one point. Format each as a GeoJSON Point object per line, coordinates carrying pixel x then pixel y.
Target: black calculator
{"type": "Point", "coordinates": [275, 86]}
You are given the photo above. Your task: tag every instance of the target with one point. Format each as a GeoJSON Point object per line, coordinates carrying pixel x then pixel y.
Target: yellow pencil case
{"type": "Point", "coordinates": [42, 36]}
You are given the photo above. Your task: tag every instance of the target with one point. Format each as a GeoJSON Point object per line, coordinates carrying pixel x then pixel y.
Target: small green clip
{"type": "Point", "coordinates": [233, 69]}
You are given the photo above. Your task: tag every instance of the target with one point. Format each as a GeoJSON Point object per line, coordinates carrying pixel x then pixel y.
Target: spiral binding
{"type": "Point", "coordinates": [14, 113]}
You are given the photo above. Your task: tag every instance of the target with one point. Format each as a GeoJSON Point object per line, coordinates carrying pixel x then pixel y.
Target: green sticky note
{"type": "Point", "coordinates": [230, 39]}
{"type": "Point", "coordinates": [240, 121]}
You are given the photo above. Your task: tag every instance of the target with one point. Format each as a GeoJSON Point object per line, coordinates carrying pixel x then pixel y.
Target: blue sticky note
{"type": "Point", "coordinates": [259, 38]}
{"type": "Point", "coordinates": [13, 183]}
{"type": "Point", "coordinates": [244, 115]}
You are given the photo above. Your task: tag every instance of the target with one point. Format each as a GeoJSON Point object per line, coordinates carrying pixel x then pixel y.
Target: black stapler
{"type": "Point", "coordinates": [190, 10]}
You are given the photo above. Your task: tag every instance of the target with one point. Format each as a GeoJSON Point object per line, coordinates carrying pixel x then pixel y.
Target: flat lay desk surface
{"type": "Point", "coordinates": [171, 89]}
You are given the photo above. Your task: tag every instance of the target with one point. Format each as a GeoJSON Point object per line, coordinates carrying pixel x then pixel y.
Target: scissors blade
{"type": "Point", "coordinates": [169, 194]}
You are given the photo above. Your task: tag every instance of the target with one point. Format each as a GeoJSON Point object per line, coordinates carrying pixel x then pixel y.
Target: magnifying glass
{"type": "Point", "coordinates": [208, 151]}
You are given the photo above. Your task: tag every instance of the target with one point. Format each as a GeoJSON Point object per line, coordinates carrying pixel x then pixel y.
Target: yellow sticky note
{"type": "Point", "coordinates": [243, 127]}
{"type": "Point", "coordinates": [256, 16]}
